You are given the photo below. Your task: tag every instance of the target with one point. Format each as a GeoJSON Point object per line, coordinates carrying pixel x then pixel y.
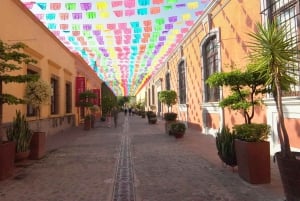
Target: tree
{"type": "Point", "coordinates": [11, 59]}
{"type": "Point", "coordinates": [36, 94]}
{"type": "Point", "coordinates": [245, 87]}
{"type": "Point", "coordinates": [86, 99]}
{"type": "Point", "coordinates": [169, 97]}
{"type": "Point", "coordinates": [108, 99]}
{"type": "Point", "coordinates": [276, 56]}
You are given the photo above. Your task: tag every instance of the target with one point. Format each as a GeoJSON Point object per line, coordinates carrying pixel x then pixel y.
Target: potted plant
{"type": "Point", "coordinates": [151, 116]}
{"type": "Point", "coordinates": [20, 132]}
{"type": "Point", "coordinates": [247, 88]}
{"type": "Point", "coordinates": [87, 122]}
{"type": "Point", "coordinates": [11, 59]}
{"type": "Point", "coordinates": [169, 97]}
{"type": "Point", "coordinates": [36, 94]}
{"type": "Point", "coordinates": [143, 113]}
{"type": "Point", "coordinates": [253, 152]}
{"type": "Point", "coordinates": [276, 54]}
{"type": "Point", "coordinates": [225, 146]}
{"type": "Point", "coordinates": [177, 129]}
{"type": "Point", "coordinates": [94, 110]}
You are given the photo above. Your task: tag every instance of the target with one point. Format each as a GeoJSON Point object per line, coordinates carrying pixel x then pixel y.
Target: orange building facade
{"type": "Point", "coordinates": [55, 64]}
{"type": "Point", "coordinates": [215, 43]}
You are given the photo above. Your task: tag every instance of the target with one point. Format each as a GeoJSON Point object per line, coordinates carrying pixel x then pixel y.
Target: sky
{"type": "Point", "coordinates": [124, 41]}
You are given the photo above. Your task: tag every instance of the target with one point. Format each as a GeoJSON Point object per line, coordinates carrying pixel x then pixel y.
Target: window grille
{"type": "Point", "coordinates": [286, 13]}
{"type": "Point", "coordinates": [210, 55]}
{"type": "Point", "coordinates": [182, 82]}
{"type": "Point", "coordinates": [68, 98]}
{"type": "Point", "coordinates": [54, 96]}
{"type": "Point", "coordinates": [168, 84]}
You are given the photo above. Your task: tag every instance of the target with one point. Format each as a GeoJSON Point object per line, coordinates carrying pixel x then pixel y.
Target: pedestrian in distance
{"type": "Point", "coordinates": [125, 110]}
{"type": "Point", "coordinates": [130, 111]}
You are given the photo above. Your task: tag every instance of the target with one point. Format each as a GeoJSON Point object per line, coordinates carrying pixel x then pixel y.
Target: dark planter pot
{"type": "Point", "coordinates": [20, 156]}
{"type": "Point", "coordinates": [178, 134]}
{"type": "Point", "coordinates": [87, 124]}
{"type": "Point", "coordinates": [7, 159]}
{"type": "Point", "coordinates": [152, 120]}
{"type": "Point", "coordinates": [290, 176]}
{"type": "Point", "coordinates": [253, 160]}
{"type": "Point", "coordinates": [38, 145]}
{"type": "Point", "coordinates": [168, 126]}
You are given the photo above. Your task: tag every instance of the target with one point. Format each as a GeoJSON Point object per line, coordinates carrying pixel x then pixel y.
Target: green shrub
{"type": "Point", "coordinates": [178, 127]}
{"type": "Point", "coordinates": [170, 116]}
{"type": "Point", "coordinates": [252, 132]}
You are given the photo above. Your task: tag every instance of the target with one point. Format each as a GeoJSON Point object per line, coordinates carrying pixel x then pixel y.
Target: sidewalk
{"type": "Point", "coordinates": [96, 165]}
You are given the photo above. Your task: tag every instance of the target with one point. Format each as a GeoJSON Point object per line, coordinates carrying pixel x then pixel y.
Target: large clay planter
{"type": "Point", "coordinates": [38, 145]}
{"type": "Point", "coordinates": [7, 159]}
{"type": "Point", "coordinates": [253, 160]}
{"type": "Point", "coordinates": [290, 176]}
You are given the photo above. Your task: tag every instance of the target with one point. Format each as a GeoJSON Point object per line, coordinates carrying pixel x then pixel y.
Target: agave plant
{"type": "Point", "coordinates": [225, 146]}
{"type": "Point", "coordinates": [20, 132]}
{"type": "Point", "coordinates": [276, 56]}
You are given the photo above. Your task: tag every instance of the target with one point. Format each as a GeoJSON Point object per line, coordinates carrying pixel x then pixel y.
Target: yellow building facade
{"type": "Point", "coordinates": [217, 43]}
{"type": "Point", "coordinates": [55, 64]}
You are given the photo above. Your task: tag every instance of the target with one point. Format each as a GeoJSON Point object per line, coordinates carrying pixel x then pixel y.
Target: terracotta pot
{"type": "Point", "coordinates": [7, 159]}
{"type": "Point", "coordinates": [20, 156]}
{"type": "Point", "coordinates": [290, 176]}
{"type": "Point", "coordinates": [38, 145]}
{"type": "Point", "coordinates": [253, 160]}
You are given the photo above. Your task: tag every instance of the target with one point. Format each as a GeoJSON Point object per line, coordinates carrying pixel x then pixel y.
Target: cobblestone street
{"type": "Point", "coordinates": [136, 161]}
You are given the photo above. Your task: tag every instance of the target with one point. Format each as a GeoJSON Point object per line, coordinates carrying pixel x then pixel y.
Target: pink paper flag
{"type": "Point", "coordinates": [116, 3]}
{"type": "Point", "coordinates": [129, 12]}
{"type": "Point", "coordinates": [129, 3]}
{"type": "Point", "coordinates": [118, 13]}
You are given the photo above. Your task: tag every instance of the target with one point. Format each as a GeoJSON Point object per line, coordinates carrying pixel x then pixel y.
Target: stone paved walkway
{"type": "Point", "coordinates": [87, 166]}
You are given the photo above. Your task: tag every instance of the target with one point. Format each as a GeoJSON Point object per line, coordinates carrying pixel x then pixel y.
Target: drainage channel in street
{"type": "Point", "coordinates": [124, 180]}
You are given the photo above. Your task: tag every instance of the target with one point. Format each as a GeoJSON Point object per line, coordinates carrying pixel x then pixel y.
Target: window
{"type": "Point", "coordinates": [210, 61]}
{"type": "Point", "coordinates": [168, 84]}
{"type": "Point", "coordinates": [31, 111]}
{"type": "Point", "coordinates": [68, 97]}
{"type": "Point", "coordinates": [149, 97]}
{"type": "Point", "coordinates": [182, 84]}
{"type": "Point", "coordinates": [286, 12]}
{"type": "Point", "coordinates": [153, 94]}
{"type": "Point", "coordinates": [54, 96]}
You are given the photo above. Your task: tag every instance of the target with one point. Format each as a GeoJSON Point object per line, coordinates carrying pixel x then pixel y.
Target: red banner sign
{"type": "Point", "coordinates": [79, 88]}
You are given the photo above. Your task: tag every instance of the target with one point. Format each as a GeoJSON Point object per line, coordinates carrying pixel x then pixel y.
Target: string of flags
{"type": "Point", "coordinates": [124, 41]}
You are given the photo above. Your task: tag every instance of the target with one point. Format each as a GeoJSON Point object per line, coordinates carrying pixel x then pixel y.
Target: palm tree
{"type": "Point", "coordinates": [276, 56]}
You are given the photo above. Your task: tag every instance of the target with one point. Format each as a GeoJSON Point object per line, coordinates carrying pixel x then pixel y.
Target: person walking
{"type": "Point", "coordinates": [129, 111]}
{"type": "Point", "coordinates": [125, 110]}
{"type": "Point", "coordinates": [115, 113]}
